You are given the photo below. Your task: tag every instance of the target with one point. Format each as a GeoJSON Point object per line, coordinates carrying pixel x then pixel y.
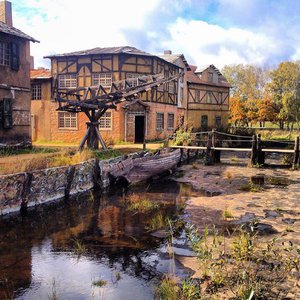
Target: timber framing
{"type": "Point", "coordinates": [94, 101]}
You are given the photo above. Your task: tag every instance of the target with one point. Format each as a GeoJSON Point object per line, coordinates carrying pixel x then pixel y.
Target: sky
{"type": "Point", "coordinates": [219, 32]}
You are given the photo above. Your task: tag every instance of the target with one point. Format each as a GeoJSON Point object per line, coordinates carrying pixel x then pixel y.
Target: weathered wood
{"type": "Point", "coordinates": [253, 157]}
{"type": "Point", "coordinates": [260, 153]}
{"type": "Point", "coordinates": [296, 152]}
{"type": "Point", "coordinates": [208, 156]}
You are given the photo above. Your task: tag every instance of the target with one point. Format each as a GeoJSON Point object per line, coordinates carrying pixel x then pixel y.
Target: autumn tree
{"type": "Point", "coordinates": [248, 87]}
{"type": "Point", "coordinates": [285, 92]}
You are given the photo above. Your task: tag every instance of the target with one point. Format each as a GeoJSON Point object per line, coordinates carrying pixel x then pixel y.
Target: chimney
{"type": "Point", "coordinates": [167, 52]}
{"type": "Point", "coordinates": [5, 12]}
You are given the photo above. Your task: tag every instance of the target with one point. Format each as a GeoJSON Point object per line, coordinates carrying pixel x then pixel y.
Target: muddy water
{"type": "Point", "coordinates": [90, 247]}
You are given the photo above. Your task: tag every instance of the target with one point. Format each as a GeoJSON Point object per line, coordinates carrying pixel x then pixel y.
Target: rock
{"type": "Point", "coordinates": [289, 220]}
{"type": "Point", "coordinates": [160, 233]}
{"type": "Point", "coordinates": [245, 219]}
{"type": "Point", "coordinates": [253, 205]}
{"type": "Point", "coordinates": [272, 213]}
{"type": "Point", "coordinates": [258, 179]}
{"type": "Point", "coordinates": [264, 229]}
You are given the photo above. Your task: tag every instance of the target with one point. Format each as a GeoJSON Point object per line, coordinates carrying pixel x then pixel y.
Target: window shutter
{"type": "Point", "coordinates": [7, 114]}
{"type": "Point", "coordinates": [14, 56]}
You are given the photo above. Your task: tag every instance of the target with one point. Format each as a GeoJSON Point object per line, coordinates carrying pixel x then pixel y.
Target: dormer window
{"type": "Point", "coordinates": [4, 54]}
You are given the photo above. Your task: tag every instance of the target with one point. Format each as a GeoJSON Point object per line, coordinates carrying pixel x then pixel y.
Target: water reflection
{"type": "Point", "coordinates": [61, 249]}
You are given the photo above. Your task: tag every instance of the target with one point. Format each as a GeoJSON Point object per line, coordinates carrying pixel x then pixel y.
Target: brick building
{"type": "Point", "coordinates": [14, 81]}
{"type": "Point", "coordinates": [160, 108]}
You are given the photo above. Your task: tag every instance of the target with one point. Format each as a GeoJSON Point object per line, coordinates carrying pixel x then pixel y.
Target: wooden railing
{"type": "Point", "coordinates": [213, 142]}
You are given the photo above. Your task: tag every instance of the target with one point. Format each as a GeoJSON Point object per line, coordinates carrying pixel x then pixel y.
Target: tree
{"type": "Point", "coordinates": [285, 92]}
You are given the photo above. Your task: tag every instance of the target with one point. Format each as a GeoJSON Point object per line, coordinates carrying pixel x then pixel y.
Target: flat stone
{"type": "Point", "coordinates": [160, 234]}
{"type": "Point", "coordinates": [272, 213]}
{"type": "Point", "coordinates": [253, 205]}
{"type": "Point", "coordinates": [289, 220]}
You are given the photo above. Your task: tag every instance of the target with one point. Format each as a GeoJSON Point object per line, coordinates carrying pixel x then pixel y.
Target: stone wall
{"type": "Point", "coordinates": [30, 189]}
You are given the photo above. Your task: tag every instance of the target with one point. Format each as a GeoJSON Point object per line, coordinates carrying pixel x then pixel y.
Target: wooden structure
{"type": "Point", "coordinates": [207, 98]}
{"type": "Point", "coordinates": [94, 101]}
{"type": "Point", "coordinates": [213, 142]}
{"type": "Point", "coordinates": [155, 115]}
{"type": "Point", "coordinates": [138, 169]}
{"type": "Point", "coordinates": [14, 82]}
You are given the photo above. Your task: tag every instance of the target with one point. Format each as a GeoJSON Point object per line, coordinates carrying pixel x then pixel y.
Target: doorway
{"type": "Point", "coordinates": [139, 129]}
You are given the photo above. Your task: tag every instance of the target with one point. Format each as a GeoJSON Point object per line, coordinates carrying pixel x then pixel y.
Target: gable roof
{"type": "Point", "coordinates": [40, 74]}
{"type": "Point", "coordinates": [192, 77]}
{"type": "Point", "coordinates": [172, 58]}
{"type": "Point", "coordinates": [205, 67]}
{"type": "Point", "coordinates": [106, 50]}
{"type": "Point", "coordinates": [15, 32]}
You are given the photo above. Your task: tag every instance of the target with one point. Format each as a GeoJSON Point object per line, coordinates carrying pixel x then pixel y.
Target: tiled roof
{"type": "Point", "coordinates": [40, 74]}
{"type": "Point", "coordinates": [16, 32]}
{"type": "Point", "coordinates": [106, 50]}
{"type": "Point", "coordinates": [191, 77]}
{"type": "Point", "coordinates": [172, 58]}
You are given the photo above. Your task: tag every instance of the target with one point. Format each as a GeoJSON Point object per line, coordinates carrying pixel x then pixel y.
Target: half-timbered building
{"type": "Point", "coordinates": [14, 81]}
{"type": "Point", "coordinates": [158, 109]}
{"type": "Point", "coordinates": [207, 98]}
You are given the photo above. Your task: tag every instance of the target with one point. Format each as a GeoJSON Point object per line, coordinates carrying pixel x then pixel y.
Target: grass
{"type": "Point", "coordinates": [79, 247]}
{"type": "Point", "coordinates": [143, 206]}
{"type": "Point", "coordinates": [250, 187]}
{"type": "Point", "coordinates": [235, 266]}
{"type": "Point", "coordinates": [227, 214]}
{"type": "Point", "coordinates": [157, 222]}
{"type": "Point", "coordinates": [33, 150]}
{"type": "Point", "coordinates": [65, 157]}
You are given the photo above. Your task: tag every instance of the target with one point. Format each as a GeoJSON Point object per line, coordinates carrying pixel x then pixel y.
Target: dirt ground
{"type": "Point", "coordinates": [11, 164]}
{"type": "Point", "coordinates": [275, 204]}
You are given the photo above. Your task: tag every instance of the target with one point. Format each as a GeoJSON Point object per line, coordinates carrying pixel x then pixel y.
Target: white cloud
{"type": "Point", "coordinates": [207, 43]}
{"type": "Point", "coordinates": [69, 25]}
{"type": "Point", "coordinates": [66, 26]}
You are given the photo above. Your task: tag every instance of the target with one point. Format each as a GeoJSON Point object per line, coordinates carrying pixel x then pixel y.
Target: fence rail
{"type": "Point", "coordinates": [214, 142]}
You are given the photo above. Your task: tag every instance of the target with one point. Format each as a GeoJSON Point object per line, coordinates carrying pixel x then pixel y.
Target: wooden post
{"type": "Point", "coordinates": [296, 153]}
{"type": "Point", "coordinates": [208, 158]}
{"type": "Point", "coordinates": [144, 133]}
{"type": "Point", "coordinates": [260, 154]}
{"type": "Point", "coordinates": [188, 155]}
{"type": "Point", "coordinates": [216, 143]}
{"type": "Point", "coordinates": [253, 157]}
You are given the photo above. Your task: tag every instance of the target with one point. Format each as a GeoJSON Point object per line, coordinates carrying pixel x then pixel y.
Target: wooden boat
{"type": "Point", "coordinates": [139, 169]}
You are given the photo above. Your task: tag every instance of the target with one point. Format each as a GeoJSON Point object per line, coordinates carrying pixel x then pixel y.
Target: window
{"type": "Point", "coordinates": [218, 121]}
{"type": "Point", "coordinates": [36, 92]}
{"type": "Point", "coordinates": [210, 76]}
{"type": "Point", "coordinates": [6, 120]}
{"type": "Point", "coordinates": [204, 122]}
{"type": "Point", "coordinates": [67, 120]}
{"type": "Point", "coordinates": [197, 95]}
{"type": "Point", "coordinates": [159, 121]}
{"type": "Point", "coordinates": [67, 81]}
{"type": "Point", "coordinates": [133, 76]}
{"type": "Point", "coordinates": [105, 79]}
{"type": "Point", "coordinates": [105, 121]}
{"type": "Point", "coordinates": [170, 121]}
{"type": "Point", "coordinates": [171, 87]}
{"type": "Point", "coordinates": [4, 54]}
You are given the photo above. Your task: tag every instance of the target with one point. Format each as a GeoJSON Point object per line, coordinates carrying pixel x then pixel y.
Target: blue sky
{"type": "Point", "coordinates": [261, 32]}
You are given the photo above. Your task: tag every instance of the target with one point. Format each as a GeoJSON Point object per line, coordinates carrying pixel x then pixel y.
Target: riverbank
{"type": "Point", "coordinates": [233, 196]}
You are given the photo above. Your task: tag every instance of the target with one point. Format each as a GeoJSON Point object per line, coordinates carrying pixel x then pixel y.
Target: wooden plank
{"type": "Point", "coordinates": [278, 150]}
{"type": "Point", "coordinates": [232, 149]}
{"type": "Point", "coordinates": [189, 147]}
